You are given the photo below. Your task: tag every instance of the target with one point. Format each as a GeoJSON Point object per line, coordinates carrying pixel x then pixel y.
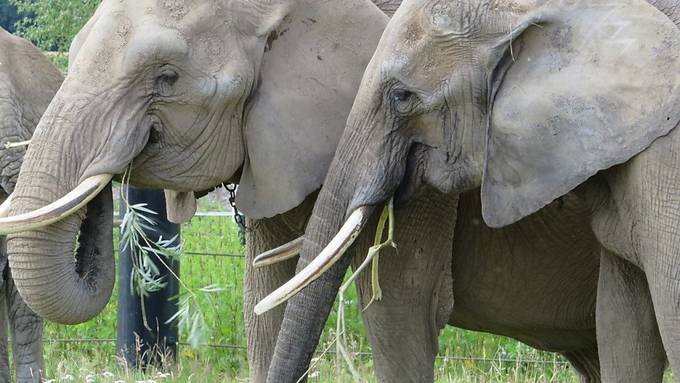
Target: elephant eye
{"type": "Point", "coordinates": [167, 77]}
{"type": "Point", "coordinates": [401, 95]}
{"type": "Point", "coordinates": [404, 102]}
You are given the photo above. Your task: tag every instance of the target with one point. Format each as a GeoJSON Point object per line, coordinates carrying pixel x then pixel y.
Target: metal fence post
{"type": "Point", "coordinates": [135, 342]}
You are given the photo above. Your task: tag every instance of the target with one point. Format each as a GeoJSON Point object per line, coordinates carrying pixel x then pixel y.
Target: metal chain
{"type": "Point", "coordinates": [239, 218]}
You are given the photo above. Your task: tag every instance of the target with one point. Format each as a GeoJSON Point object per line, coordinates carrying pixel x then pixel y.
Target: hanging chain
{"type": "Point", "coordinates": [239, 218]}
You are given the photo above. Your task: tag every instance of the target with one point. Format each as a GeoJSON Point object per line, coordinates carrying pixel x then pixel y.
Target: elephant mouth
{"type": "Point", "coordinates": [412, 181]}
{"type": "Point", "coordinates": [91, 246]}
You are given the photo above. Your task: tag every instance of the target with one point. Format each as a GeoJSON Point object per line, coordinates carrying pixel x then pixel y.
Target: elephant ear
{"type": "Point", "coordinates": [310, 73]}
{"type": "Point", "coordinates": [587, 89]}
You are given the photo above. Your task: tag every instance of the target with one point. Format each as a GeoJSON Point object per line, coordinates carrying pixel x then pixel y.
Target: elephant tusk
{"type": "Point", "coordinates": [58, 210]}
{"type": "Point", "coordinates": [279, 254]}
{"type": "Point", "coordinates": [4, 208]}
{"type": "Point", "coordinates": [10, 145]}
{"type": "Point", "coordinates": [327, 258]}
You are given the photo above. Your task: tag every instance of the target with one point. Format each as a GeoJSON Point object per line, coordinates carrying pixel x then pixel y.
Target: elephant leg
{"type": "Point", "coordinates": [27, 329]}
{"type": "Point", "coordinates": [586, 362]}
{"type": "Point", "coordinates": [4, 352]}
{"type": "Point", "coordinates": [664, 284]}
{"type": "Point", "coordinates": [628, 338]}
{"type": "Point", "coordinates": [263, 235]}
{"type": "Point", "coordinates": [417, 289]}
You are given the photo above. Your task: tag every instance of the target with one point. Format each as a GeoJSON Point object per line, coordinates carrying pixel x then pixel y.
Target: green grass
{"type": "Point", "coordinates": [96, 362]}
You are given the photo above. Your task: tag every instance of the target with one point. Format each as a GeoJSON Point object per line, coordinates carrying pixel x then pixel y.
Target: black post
{"type": "Point", "coordinates": [137, 344]}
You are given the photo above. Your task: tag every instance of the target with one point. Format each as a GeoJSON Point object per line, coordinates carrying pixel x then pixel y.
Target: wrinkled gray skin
{"type": "Point", "coordinates": [178, 90]}
{"type": "Point", "coordinates": [28, 81]}
{"type": "Point", "coordinates": [534, 281]}
{"type": "Point", "coordinates": [540, 291]}
{"type": "Point", "coordinates": [527, 101]}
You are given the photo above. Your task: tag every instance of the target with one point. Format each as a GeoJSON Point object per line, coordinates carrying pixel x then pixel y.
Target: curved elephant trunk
{"type": "Point", "coordinates": [361, 175]}
{"type": "Point", "coordinates": [65, 271]}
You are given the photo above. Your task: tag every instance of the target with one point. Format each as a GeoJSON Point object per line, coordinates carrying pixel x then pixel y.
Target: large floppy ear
{"type": "Point", "coordinates": [310, 73]}
{"type": "Point", "coordinates": [586, 89]}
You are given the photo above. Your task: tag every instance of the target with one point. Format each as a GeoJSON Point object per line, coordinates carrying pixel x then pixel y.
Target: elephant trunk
{"type": "Point", "coordinates": [65, 272]}
{"type": "Point", "coordinates": [306, 313]}
{"type": "Point", "coordinates": [64, 267]}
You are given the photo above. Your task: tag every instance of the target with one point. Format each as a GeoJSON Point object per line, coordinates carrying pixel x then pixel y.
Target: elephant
{"type": "Point", "coordinates": [28, 81]}
{"type": "Point", "coordinates": [534, 281]}
{"type": "Point", "coordinates": [522, 103]}
{"type": "Point", "coordinates": [173, 91]}
{"type": "Point", "coordinates": [185, 97]}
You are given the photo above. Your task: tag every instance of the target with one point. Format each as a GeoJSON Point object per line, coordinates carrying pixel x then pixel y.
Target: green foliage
{"type": "Point", "coordinates": [55, 22]}
{"type": "Point", "coordinates": [8, 15]}
{"type": "Point", "coordinates": [137, 223]}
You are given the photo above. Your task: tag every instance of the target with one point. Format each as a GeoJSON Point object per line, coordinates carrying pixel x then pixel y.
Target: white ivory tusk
{"type": "Point", "coordinates": [279, 254]}
{"type": "Point", "coordinates": [10, 145]}
{"type": "Point", "coordinates": [327, 258]}
{"type": "Point", "coordinates": [57, 210]}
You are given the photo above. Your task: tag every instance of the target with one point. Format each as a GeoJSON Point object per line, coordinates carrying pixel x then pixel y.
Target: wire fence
{"type": "Point", "coordinates": [333, 352]}
{"type": "Point", "coordinates": [208, 263]}
{"type": "Point", "coordinates": [235, 322]}
{"type": "Point", "coordinates": [215, 254]}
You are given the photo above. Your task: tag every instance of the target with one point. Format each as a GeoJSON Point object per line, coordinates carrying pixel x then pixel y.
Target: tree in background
{"type": "Point", "coordinates": [8, 16]}
{"type": "Point", "coordinates": [54, 22]}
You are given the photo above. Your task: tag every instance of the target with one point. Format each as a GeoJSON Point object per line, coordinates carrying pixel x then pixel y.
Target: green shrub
{"type": "Point", "coordinates": [52, 24]}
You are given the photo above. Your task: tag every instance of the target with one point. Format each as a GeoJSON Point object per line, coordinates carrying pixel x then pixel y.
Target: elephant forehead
{"type": "Point", "coordinates": [132, 33]}
{"type": "Point", "coordinates": [408, 52]}
{"type": "Point", "coordinates": [424, 62]}
{"type": "Point", "coordinates": [171, 9]}
{"type": "Point", "coordinates": [469, 17]}
{"type": "Point", "coordinates": [154, 42]}
{"type": "Point", "coordinates": [427, 40]}
{"type": "Point", "coordinates": [188, 17]}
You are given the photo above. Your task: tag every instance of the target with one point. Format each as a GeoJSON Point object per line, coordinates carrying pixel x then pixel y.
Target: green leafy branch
{"type": "Point", "coordinates": [51, 24]}
{"type": "Point", "coordinates": [145, 277]}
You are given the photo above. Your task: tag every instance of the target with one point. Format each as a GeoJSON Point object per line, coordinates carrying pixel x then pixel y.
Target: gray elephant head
{"type": "Point", "coordinates": [186, 95]}
{"type": "Point", "coordinates": [527, 99]}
